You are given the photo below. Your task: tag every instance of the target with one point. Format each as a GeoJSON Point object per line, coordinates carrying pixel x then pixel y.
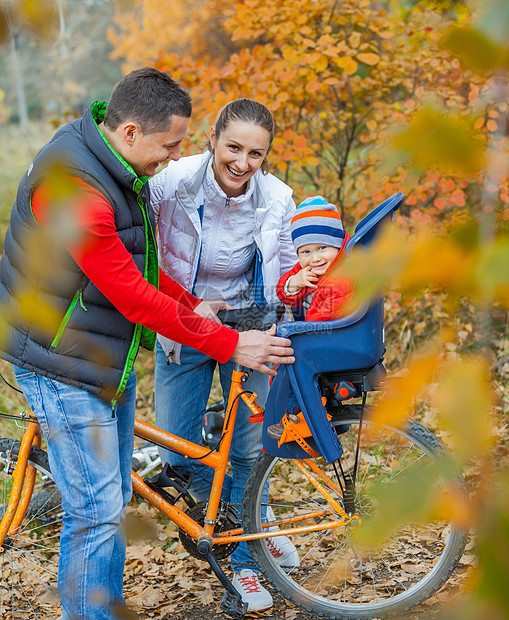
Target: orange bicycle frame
{"type": "Point", "coordinates": [218, 461]}
{"type": "Point", "coordinates": [22, 486]}
{"type": "Point", "coordinates": [24, 477]}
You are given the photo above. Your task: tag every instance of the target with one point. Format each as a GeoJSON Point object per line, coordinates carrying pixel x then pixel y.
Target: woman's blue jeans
{"type": "Point", "coordinates": [90, 455]}
{"type": "Point", "coordinates": [181, 396]}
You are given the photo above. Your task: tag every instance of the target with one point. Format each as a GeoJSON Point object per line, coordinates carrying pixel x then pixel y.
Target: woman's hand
{"type": "Point", "coordinates": [257, 349]}
{"type": "Point", "coordinates": [303, 278]}
{"type": "Point", "coordinates": [210, 308]}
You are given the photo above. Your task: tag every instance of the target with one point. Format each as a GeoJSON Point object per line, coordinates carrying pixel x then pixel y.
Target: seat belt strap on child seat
{"type": "Point", "coordinates": [291, 433]}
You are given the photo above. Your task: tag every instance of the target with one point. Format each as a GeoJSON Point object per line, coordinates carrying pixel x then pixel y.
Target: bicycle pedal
{"type": "Point", "coordinates": [174, 478]}
{"type": "Point", "coordinates": [233, 605]}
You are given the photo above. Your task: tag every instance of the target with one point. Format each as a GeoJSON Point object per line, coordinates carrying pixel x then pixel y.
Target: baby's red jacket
{"type": "Point", "coordinates": [329, 299]}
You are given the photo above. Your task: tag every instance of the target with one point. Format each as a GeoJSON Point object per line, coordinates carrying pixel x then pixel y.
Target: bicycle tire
{"type": "Point", "coordinates": [414, 562]}
{"type": "Point", "coordinates": [29, 560]}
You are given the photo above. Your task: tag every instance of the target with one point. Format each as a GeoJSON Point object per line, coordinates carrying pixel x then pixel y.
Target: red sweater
{"type": "Point", "coordinates": [328, 300]}
{"type": "Point", "coordinates": [104, 259]}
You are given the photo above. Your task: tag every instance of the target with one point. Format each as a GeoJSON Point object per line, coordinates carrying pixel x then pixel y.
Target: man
{"type": "Point", "coordinates": [80, 292]}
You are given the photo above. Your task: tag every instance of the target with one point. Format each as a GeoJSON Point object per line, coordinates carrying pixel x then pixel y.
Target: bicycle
{"type": "Point", "coordinates": [317, 489]}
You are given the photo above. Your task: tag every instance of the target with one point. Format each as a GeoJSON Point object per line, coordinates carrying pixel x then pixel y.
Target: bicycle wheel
{"type": "Point", "coordinates": [29, 560]}
{"type": "Point", "coordinates": [339, 577]}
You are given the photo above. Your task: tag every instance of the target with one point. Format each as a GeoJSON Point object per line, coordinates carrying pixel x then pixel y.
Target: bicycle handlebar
{"type": "Point", "coordinates": [245, 319]}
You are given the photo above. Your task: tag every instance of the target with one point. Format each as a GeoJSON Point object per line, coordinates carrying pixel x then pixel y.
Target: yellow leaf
{"type": "Point", "coordinates": [4, 26]}
{"type": "Point", "coordinates": [376, 265]}
{"type": "Point", "coordinates": [464, 401]}
{"type": "Point", "coordinates": [401, 393]}
{"type": "Point", "coordinates": [425, 266]}
{"type": "Point", "coordinates": [40, 17]}
{"type": "Point", "coordinates": [446, 142]}
{"type": "Point", "coordinates": [411, 496]}
{"type": "Point", "coordinates": [43, 316]}
{"type": "Point", "coordinates": [311, 161]}
{"type": "Point", "coordinates": [492, 273]}
{"type": "Point", "coordinates": [348, 64]}
{"type": "Point", "coordinates": [322, 63]}
{"type": "Point", "coordinates": [368, 58]}
{"type": "Point", "coordinates": [473, 49]}
{"type": "Point", "coordinates": [355, 40]}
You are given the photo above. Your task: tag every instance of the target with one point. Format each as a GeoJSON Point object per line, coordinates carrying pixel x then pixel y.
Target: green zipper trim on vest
{"type": "Point", "coordinates": [128, 366]}
{"type": "Point", "coordinates": [66, 318]}
{"type": "Point", "coordinates": [32, 212]}
{"type": "Point", "coordinates": [151, 269]}
{"type": "Point", "coordinates": [142, 335]}
{"type": "Point", "coordinates": [81, 300]}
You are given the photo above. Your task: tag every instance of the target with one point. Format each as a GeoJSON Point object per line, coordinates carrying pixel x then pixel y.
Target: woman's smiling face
{"type": "Point", "coordinates": [239, 152]}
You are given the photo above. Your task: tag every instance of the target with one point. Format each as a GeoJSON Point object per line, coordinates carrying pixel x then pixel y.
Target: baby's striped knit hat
{"type": "Point", "coordinates": [317, 221]}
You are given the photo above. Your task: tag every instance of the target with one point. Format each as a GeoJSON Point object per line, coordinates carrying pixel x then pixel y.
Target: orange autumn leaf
{"type": "Point", "coordinates": [300, 143]}
{"type": "Point", "coordinates": [458, 197]}
{"type": "Point", "coordinates": [368, 58]}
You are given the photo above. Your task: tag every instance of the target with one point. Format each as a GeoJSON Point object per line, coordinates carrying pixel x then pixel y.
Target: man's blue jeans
{"type": "Point", "coordinates": [181, 395]}
{"type": "Point", "coordinates": [90, 455]}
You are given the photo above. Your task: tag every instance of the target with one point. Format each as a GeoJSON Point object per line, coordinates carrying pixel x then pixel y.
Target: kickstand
{"type": "Point", "coordinates": [231, 603]}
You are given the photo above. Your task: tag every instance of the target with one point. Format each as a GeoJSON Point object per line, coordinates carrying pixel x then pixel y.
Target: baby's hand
{"type": "Point", "coordinates": [304, 278]}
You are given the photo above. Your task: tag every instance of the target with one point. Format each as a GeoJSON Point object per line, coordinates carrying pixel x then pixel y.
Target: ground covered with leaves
{"type": "Point", "coordinates": [163, 581]}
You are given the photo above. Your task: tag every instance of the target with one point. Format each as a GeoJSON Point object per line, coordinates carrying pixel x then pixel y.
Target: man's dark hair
{"type": "Point", "coordinates": [150, 98]}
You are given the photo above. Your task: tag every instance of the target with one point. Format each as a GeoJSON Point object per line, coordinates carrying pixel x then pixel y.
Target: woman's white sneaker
{"type": "Point", "coordinates": [251, 590]}
{"type": "Point", "coordinates": [284, 551]}
{"type": "Point", "coordinates": [281, 547]}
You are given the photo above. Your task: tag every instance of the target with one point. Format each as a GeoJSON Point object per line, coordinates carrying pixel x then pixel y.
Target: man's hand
{"type": "Point", "coordinates": [257, 349]}
{"type": "Point", "coordinates": [210, 308]}
{"type": "Point", "coordinates": [303, 278]}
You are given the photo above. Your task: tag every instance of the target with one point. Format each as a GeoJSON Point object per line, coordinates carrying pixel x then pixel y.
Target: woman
{"type": "Point", "coordinates": [223, 234]}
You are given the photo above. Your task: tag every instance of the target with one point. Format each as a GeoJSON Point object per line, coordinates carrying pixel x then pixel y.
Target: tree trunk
{"type": "Point", "coordinates": [20, 90]}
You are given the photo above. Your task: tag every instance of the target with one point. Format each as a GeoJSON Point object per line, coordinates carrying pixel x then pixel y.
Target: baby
{"type": "Point", "coordinates": [319, 238]}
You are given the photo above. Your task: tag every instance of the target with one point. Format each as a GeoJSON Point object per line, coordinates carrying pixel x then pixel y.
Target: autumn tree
{"type": "Point", "coordinates": [339, 77]}
{"type": "Point", "coordinates": [151, 29]}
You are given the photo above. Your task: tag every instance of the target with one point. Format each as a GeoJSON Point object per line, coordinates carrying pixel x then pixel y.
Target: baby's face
{"type": "Point", "coordinates": [317, 256]}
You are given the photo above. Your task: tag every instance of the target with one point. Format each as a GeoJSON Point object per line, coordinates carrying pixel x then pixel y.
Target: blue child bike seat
{"type": "Point", "coordinates": [350, 346]}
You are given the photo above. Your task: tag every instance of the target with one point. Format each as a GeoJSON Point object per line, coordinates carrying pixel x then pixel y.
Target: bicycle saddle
{"type": "Point", "coordinates": [257, 317]}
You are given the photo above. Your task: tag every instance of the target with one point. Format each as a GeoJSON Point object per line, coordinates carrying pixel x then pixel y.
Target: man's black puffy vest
{"type": "Point", "coordinates": [54, 321]}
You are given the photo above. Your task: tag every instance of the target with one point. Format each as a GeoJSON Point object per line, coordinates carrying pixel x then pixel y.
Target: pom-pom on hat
{"type": "Point", "coordinates": [317, 221]}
